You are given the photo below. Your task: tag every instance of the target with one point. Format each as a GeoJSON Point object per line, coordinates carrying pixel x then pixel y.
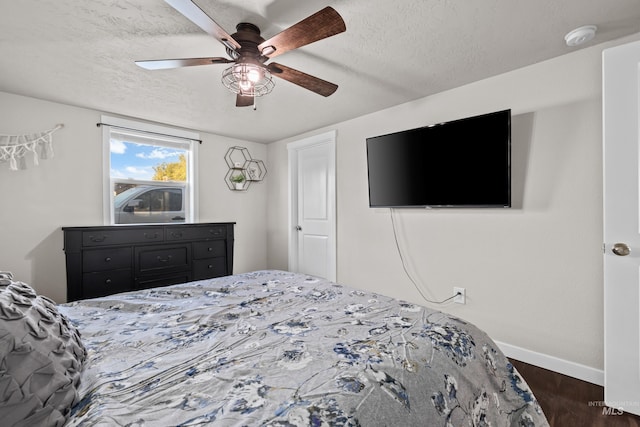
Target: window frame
{"type": "Point", "coordinates": [164, 136]}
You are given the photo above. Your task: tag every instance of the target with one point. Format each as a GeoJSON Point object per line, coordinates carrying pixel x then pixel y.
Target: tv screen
{"type": "Point", "coordinates": [461, 163]}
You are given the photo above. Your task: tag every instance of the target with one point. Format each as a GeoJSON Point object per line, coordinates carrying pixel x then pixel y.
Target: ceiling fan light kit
{"type": "Point", "coordinates": [249, 77]}
{"type": "Point", "coordinates": [246, 79]}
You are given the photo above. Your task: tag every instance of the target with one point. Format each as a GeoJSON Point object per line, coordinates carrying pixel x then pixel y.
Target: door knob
{"type": "Point", "coordinates": [621, 249]}
{"type": "Point", "coordinates": [298, 228]}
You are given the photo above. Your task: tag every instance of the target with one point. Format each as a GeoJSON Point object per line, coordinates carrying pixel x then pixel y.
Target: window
{"type": "Point", "coordinates": [149, 173]}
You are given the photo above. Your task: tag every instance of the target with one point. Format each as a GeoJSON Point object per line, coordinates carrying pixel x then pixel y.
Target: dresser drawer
{"type": "Point", "coordinates": [105, 283]}
{"type": "Point", "coordinates": [209, 249]}
{"type": "Point", "coordinates": [124, 235]}
{"type": "Point", "coordinates": [208, 268]}
{"type": "Point", "coordinates": [196, 233]}
{"type": "Point", "coordinates": [151, 259]}
{"type": "Point", "coordinates": [164, 280]}
{"type": "Point", "coordinates": [106, 259]}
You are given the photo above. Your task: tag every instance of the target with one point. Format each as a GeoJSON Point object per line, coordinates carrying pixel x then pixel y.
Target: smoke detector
{"type": "Point", "coordinates": [580, 35]}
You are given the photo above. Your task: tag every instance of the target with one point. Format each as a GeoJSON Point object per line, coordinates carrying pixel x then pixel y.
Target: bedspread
{"type": "Point", "coordinates": [274, 348]}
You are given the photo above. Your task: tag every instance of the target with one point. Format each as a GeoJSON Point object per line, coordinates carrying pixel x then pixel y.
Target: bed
{"type": "Point", "coordinates": [266, 348]}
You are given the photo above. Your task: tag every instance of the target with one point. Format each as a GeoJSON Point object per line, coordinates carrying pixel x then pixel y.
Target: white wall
{"type": "Point", "coordinates": [533, 273]}
{"type": "Point", "coordinates": [67, 191]}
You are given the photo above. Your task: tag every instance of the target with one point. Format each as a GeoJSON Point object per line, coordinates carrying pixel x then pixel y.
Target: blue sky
{"type": "Point", "coordinates": [135, 161]}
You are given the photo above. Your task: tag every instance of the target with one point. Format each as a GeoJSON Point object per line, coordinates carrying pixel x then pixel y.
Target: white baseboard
{"type": "Point", "coordinates": [552, 363]}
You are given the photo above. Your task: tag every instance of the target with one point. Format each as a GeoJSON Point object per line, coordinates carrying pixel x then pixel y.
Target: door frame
{"type": "Point", "coordinates": [327, 139]}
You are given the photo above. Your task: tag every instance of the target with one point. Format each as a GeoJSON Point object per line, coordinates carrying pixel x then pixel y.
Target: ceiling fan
{"type": "Point", "coordinates": [250, 76]}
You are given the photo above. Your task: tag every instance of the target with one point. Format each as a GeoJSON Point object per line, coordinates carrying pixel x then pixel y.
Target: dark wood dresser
{"type": "Point", "coordinates": [110, 259]}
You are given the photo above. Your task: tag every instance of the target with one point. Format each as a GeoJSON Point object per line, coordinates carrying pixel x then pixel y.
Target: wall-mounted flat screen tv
{"type": "Point", "coordinates": [460, 163]}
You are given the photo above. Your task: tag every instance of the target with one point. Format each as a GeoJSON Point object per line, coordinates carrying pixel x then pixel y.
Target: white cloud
{"type": "Point", "coordinates": [118, 147]}
{"type": "Point", "coordinates": [132, 172]}
{"type": "Point", "coordinates": [159, 153]}
{"type": "Point", "coordinates": [135, 171]}
{"type": "Point", "coordinates": [116, 173]}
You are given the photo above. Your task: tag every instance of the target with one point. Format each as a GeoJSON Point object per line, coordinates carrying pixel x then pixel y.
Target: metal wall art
{"type": "Point", "coordinates": [243, 169]}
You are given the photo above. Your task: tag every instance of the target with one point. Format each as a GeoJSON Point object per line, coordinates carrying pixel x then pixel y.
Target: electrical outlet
{"type": "Point", "coordinates": [460, 295]}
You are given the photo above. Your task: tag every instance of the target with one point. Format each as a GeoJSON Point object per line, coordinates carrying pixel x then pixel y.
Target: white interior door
{"type": "Point", "coordinates": [621, 76]}
{"type": "Point", "coordinates": [312, 248]}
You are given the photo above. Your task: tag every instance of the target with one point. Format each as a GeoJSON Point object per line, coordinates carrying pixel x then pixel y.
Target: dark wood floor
{"type": "Point", "coordinates": [568, 402]}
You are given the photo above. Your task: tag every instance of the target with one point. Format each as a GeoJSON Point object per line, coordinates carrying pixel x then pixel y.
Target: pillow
{"type": "Point", "coordinates": [41, 357]}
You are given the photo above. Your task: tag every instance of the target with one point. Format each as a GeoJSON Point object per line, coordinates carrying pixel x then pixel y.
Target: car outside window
{"type": "Point", "coordinates": [150, 177]}
{"type": "Point", "coordinates": [150, 204]}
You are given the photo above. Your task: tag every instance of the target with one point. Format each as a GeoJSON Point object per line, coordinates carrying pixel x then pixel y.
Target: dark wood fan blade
{"type": "Point", "coordinates": [164, 64]}
{"type": "Point", "coordinates": [196, 15]}
{"type": "Point", "coordinates": [314, 84]}
{"type": "Point", "coordinates": [318, 26]}
{"type": "Point", "coordinates": [244, 101]}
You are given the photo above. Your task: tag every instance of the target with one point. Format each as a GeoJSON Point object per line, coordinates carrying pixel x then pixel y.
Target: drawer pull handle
{"type": "Point", "coordinates": [97, 239]}
{"type": "Point", "coordinates": [107, 282]}
{"type": "Point", "coordinates": [151, 236]}
{"type": "Point", "coordinates": [210, 249]}
{"type": "Point", "coordinates": [210, 266]}
{"type": "Point", "coordinates": [167, 259]}
{"type": "Point", "coordinates": [177, 235]}
{"type": "Point", "coordinates": [215, 231]}
{"type": "Point", "coordinates": [107, 259]}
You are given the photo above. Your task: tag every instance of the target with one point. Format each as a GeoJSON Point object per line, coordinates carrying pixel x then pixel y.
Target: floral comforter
{"type": "Point", "coordinates": [273, 348]}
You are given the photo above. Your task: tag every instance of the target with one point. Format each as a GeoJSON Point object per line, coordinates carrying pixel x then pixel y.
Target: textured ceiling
{"type": "Point", "coordinates": [82, 53]}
